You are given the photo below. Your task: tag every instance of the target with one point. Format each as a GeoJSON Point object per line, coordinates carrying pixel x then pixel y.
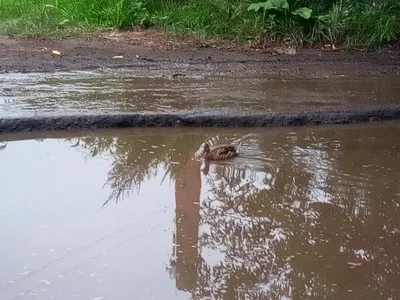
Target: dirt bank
{"type": "Point", "coordinates": [9, 125]}
{"type": "Point", "coordinates": [154, 50]}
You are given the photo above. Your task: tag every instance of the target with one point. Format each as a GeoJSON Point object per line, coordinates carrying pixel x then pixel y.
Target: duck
{"type": "Point", "coordinates": [220, 152]}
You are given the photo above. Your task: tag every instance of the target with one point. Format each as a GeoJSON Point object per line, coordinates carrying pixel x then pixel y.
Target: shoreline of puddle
{"type": "Point", "coordinates": [277, 119]}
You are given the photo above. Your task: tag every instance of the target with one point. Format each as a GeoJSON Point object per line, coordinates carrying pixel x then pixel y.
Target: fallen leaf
{"type": "Point", "coordinates": [117, 57]}
{"type": "Point", "coordinates": [56, 52]}
{"type": "Point", "coordinates": [354, 264]}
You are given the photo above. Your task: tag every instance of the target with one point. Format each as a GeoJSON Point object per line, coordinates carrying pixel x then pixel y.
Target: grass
{"type": "Point", "coordinates": [365, 23]}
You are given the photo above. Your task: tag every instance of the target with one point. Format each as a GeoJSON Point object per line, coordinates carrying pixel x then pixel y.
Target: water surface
{"type": "Point", "coordinates": [305, 213]}
{"type": "Point", "coordinates": [124, 91]}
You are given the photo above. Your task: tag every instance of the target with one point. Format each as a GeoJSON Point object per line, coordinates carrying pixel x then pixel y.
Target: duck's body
{"type": "Point", "coordinates": [219, 152]}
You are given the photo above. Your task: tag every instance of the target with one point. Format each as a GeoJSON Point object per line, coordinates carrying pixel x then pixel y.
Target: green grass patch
{"type": "Point", "coordinates": [365, 23]}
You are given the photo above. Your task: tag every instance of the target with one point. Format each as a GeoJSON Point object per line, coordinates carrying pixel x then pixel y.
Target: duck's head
{"type": "Point", "coordinates": [200, 152]}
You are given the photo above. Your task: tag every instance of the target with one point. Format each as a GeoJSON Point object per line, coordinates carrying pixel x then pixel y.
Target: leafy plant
{"type": "Point", "coordinates": [280, 6]}
{"type": "Point", "coordinates": [282, 20]}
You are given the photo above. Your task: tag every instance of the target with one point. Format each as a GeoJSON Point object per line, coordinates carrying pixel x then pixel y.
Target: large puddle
{"type": "Point", "coordinates": [306, 213]}
{"type": "Point", "coordinates": [122, 91]}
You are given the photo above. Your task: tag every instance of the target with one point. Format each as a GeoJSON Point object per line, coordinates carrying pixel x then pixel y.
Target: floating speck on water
{"type": "Point", "coordinates": [10, 281]}
{"type": "Point", "coordinates": [93, 274]}
{"type": "Point", "coordinates": [98, 298]}
{"type": "Point", "coordinates": [52, 250]}
{"type": "Point", "coordinates": [25, 273]}
{"type": "Point", "coordinates": [44, 281]}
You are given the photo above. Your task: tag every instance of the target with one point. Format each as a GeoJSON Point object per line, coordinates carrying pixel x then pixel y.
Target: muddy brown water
{"type": "Point", "coordinates": [305, 213]}
{"type": "Point", "coordinates": [122, 91]}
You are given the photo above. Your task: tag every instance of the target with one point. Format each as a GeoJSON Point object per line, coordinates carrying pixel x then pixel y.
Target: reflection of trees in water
{"type": "Point", "coordinates": [235, 224]}
{"type": "Point", "coordinates": [137, 158]}
{"type": "Point", "coordinates": [279, 239]}
{"type": "Point", "coordinates": [266, 231]}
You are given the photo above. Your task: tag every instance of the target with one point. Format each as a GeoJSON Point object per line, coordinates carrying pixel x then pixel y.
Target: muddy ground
{"type": "Point", "coordinates": [149, 49]}
{"type": "Point", "coordinates": [150, 52]}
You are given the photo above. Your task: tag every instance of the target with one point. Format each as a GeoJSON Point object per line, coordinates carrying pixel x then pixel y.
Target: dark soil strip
{"type": "Point", "coordinates": [51, 123]}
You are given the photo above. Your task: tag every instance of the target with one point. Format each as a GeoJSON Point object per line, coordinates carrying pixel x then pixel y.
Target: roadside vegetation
{"type": "Point", "coordinates": [351, 23]}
